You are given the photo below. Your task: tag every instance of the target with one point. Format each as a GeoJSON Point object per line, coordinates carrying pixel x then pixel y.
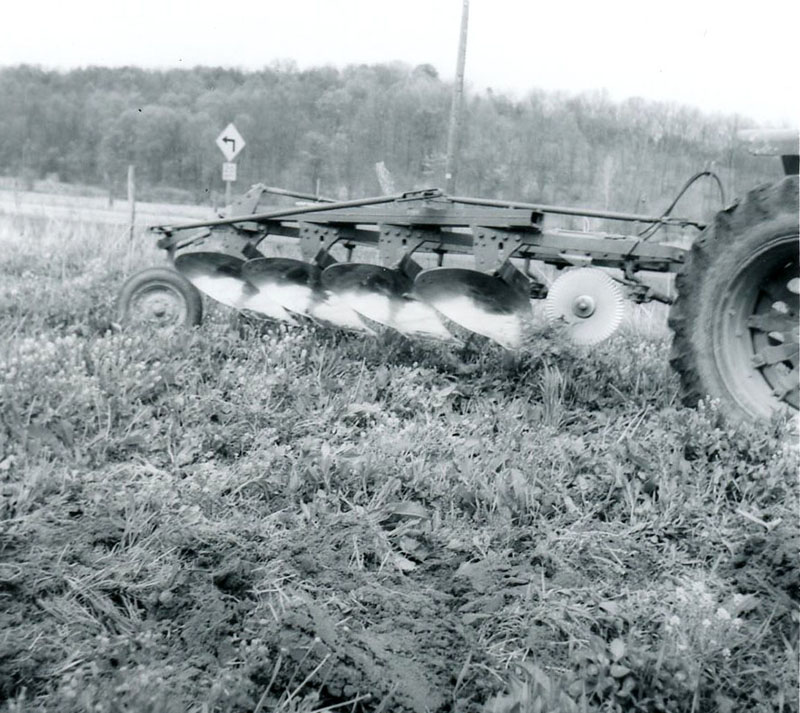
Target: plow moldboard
{"type": "Point", "coordinates": [382, 295]}
{"type": "Point", "coordinates": [220, 277]}
{"type": "Point", "coordinates": [481, 303]}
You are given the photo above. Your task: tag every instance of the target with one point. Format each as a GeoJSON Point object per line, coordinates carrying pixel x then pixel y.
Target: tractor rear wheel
{"type": "Point", "coordinates": [735, 320]}
{"type": "Point", "coordinates": [159, 297]}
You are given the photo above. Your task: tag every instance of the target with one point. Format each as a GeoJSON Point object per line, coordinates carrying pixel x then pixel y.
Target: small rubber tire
{"type": "Point", "coordinates": [159, 297]}
{"type": "Point", "coordinates": [735, 317]}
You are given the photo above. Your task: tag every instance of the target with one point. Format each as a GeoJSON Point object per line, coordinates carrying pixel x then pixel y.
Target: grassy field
{"type": "Point", "coordinates": [253, 518]}
{"type": "Point", "coordinates": [64, 206]}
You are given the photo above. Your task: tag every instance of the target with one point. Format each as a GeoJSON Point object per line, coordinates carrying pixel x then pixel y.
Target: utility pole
{"type": "Point", "coordinates": [456, 105]}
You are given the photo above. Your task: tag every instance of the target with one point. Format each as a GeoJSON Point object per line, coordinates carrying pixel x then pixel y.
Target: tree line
{"type": "Point", "coordinates": [324, 129]}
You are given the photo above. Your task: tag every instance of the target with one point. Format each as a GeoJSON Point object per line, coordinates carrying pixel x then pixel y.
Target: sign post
{"type": "Point", "coordinates": [230, 142]}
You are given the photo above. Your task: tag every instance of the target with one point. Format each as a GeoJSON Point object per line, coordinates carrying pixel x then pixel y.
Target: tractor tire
{"type": "Point", "coordinates": [735, 319]}
{"type": "Point", "coordinates": [159, 297]}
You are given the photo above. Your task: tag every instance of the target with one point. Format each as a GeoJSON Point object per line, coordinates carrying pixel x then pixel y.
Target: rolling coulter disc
{"type": "Point", "coordinates": [220, 277]}
{"type": "Point", "coordinates": [295, 285]}
{"type": "Point", "coordinates": [589, 301]}
{"type": "Point", "coordinates": [478, 302]}
{"type": "Point", "coordinates": [381, 294]}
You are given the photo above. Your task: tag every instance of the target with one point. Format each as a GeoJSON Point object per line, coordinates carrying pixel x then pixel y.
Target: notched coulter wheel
{"type": "Point", "coordinates": [159, 297]}
{"type": "Point", "coordinates": [736, 316]}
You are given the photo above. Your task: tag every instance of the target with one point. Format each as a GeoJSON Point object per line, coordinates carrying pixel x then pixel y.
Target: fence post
{"type": "Point", "coordinates": [131, 200]}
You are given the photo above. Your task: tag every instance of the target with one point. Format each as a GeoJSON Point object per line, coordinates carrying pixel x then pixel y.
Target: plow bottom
{"type": "Point", "coordinates": [421, 303]}
{"type": "Point", "coordinates": [296, 286]}
{"type": "Point", "coordinates": [383, 295]}
{"type": "Point", "coordinates": [361, 296]}
{"type": "Point", "coordinates": [220, 277]}
{"type": "Point", "coordinates": [481, 303]}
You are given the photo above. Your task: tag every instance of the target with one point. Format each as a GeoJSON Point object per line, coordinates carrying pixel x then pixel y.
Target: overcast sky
{"type": "Point", "coordinates": [717, 55]}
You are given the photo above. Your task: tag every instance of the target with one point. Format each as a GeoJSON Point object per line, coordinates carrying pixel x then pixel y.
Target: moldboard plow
{"type": "Point", "coordinates": [430, 265]}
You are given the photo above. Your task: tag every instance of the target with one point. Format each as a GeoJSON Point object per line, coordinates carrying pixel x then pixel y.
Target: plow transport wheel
{"type": "Point", "coordinates": [735, 319]}
{"type": "Point", "coordinates": [159, 297]}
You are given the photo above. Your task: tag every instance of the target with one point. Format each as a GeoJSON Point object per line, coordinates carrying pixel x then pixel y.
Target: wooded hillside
{"type": "Point", "coordinates": [327, 127]}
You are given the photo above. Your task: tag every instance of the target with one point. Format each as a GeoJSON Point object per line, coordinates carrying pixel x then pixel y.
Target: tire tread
{"type": "Point", "coordinates": [764, 202]}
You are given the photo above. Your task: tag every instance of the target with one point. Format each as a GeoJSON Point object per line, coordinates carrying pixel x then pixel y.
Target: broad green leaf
{"type": "Point", "coordinates": [618, 671]}
{"type": "Point", "coordinates": [404, 564]}
{"type": "Point", "coordinates": [617, 649]}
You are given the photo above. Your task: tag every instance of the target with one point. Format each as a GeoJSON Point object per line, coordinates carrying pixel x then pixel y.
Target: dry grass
{"type": "Point", "coordinates": [250, 518]}
{"type": "Point", "coordinates": [95, 209]}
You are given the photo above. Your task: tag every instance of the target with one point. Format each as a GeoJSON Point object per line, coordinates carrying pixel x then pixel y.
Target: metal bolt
{"type": "Point", "coordinates": [583, 306]}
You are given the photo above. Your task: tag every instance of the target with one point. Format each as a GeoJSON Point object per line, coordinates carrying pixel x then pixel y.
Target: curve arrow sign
{"type": "Point", "coordinates": [230, 142]}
